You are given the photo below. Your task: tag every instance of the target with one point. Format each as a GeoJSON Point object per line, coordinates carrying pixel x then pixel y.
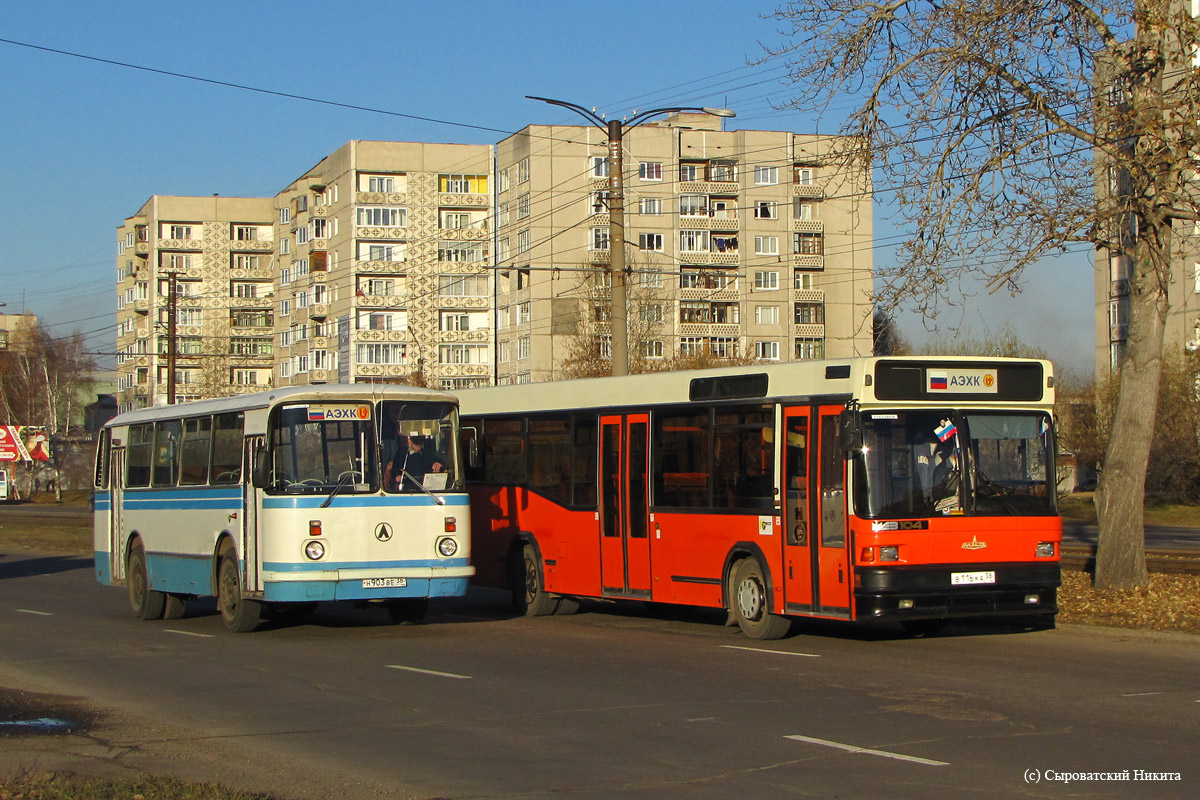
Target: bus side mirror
{"type": "Point", "coordinates": [262, 470]}
{"type": "Point", "coordinates": [472, 447]}
{"type": "Point", "coordinates": [850, 437]}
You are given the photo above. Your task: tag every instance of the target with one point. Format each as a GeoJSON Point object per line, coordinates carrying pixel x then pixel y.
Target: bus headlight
{"type": "Point", "coordinates": [447, 546]}
{"type": "Point", "coordinates": [889, 552]}
{"type": "Point", "coordinates": [314, 549]}
{"type": "Point", "coordinates": [1045, 549]}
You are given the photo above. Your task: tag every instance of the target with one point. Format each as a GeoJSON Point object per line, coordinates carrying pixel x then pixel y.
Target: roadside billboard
{"type": "Point", "coordinates": [24, 443]}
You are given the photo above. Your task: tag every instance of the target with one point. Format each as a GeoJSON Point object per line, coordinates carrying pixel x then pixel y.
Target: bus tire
{"type": "Point", "coordinates": [530, 597]}
{"type": "Point", "coordinates": [748, 599]}
{"type": "Point", "coordinates": [241, 615]}
{"type": "Point", "coordinates": [410, 610]}
{"type": "Point", "coordinates": [566, 606]}
{"type": "Point", "coordinates": [145, 602]}
{"type": "Point", "coordinates": [175, 606]}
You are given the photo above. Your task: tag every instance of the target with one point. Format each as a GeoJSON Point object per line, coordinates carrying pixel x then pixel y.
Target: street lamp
{"type": "Point", "coordinates": [615, 129]}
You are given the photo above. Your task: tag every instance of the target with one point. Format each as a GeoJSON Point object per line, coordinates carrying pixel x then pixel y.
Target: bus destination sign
{"type": "Point", "coordinates": [962, 381]}
{"type": "Point", "coordinates": [351, 412]}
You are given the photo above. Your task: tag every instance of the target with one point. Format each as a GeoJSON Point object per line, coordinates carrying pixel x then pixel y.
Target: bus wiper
{"type": "Point", "coordinates": [441, 501]}
{"type": "Point", "coordinates": [342, 481]}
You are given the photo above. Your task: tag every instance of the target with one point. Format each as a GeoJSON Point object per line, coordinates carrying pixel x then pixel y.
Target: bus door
{"type": "Point", "coordinates": [116, 504]}
{"type": "Point", "coordinates": [624, 509]}
{"type": "Point", "coordinates": [831, 565]}
{"type": "Point", "coordinates": [251, 502]}
{"type": "Point", "coordinates": [798, 497]}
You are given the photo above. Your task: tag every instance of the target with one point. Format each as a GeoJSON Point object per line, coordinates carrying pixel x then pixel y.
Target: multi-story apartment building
{"type": "Point", "coordinates": [462, 265]}
{"type": "Point", "coordinates": [741, 242]}
{"type": "Point", "coordinates": [218, 253]}
{"type": "Point", "coordinates": [1114, 268]}
{"type": "Point", "coordinates": [384, 267]}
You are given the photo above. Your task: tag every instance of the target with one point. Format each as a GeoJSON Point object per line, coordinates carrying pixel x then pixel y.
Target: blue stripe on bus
{"type": "Point", "coordinates": [362, 501]}
{"type": "Point", "coordinates": [325, 566]}
{"type": "Point", "coordinates": [185, 493]}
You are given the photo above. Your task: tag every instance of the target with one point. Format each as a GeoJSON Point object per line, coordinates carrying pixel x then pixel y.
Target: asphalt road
{"type": "Point", "coordinates": [614, 702]}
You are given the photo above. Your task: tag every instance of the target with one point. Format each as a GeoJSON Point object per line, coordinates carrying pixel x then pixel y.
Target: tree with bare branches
{"type": "Point", "coordinates": [43, 380]}
{"type": "Point", "coordinates": [1010, 131]}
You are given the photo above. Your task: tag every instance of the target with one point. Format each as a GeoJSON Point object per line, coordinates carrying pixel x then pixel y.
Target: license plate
{"type": "Point", "coordinates": [961, 578]}
{"type": "Point", "coordinates": [384, 583]}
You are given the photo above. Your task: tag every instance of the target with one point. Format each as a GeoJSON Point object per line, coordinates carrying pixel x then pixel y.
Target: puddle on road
{"type": "Point", "coordinates": [31, 714]}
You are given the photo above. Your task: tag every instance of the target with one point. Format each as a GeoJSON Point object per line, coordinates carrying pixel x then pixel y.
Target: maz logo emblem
{"type": "Point", "coordinates": [974, 544]}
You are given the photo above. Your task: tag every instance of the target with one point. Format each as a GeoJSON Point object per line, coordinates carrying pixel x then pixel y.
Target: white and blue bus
{"type": "Point", "coordinates": [284, 499]}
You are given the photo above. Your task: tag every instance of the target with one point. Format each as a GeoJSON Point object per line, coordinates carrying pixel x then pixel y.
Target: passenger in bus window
{"type": "Point", "coordinates": [945, 478]}
{"type": "Point", "coordinates": [415, 459]}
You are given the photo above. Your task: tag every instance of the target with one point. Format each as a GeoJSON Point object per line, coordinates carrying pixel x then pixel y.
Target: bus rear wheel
{"type": "Point", "coordinates": [240, 614]}
{"type": "Point", "coordinates": [749, 603]}
{"type": "Point", "coordinates": [145, 602]}
{"type": "Point", "coordinates": [530, 597]}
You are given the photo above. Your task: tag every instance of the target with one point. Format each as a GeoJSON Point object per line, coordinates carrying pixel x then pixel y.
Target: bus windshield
{"type": "Point", "coordinates": [943, 462]}
{"type": "Point", "coordinates": [419, 446]}
{"type": "Point", "coordinates": [317, 446]}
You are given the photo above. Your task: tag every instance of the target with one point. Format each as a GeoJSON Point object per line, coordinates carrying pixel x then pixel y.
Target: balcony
{"type": "Point", "coordinates": [381, 233]}
{"type": "Point", "coordinates": [380, 300]}
{"type": "Point", "coordinates": [808, 226]}
{"type": "Point", "coordinates": [318, 311]}
{"type": "Point", "coordinates": [808, 190]}
{"type": "Point", "coordinates": [808, 295]}
{"type": "Point", "coordinates": [252, 245]}
{"type": "Point", "coordinates": [463, 200]}
{"type": "Point", "coordinates": [381, 198]}
{"type": "Point", "coordinates": [809, 331]}
{"type": "Point", "coordinates": [809, 262]}
{"type": "Point", "coordinates": [180, 244]}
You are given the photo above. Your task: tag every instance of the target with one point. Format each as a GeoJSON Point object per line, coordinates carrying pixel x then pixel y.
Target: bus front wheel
{"type": "Point", "coordinates": [240, 614]}
{"type": "Point", "coordinates": [529, 595]}
{"type": "Point", "coordinates": [145, 602]}
{"type": "Point", "coordinates": [749, 602]}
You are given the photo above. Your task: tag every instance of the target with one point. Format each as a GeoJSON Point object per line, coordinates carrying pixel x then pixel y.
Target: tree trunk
{"type": "Point", "coordinates": [1121, 493]}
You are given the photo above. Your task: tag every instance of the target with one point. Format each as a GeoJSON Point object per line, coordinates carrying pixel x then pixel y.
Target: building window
{"type": "Point", "coordinates": [766, 351]}
{"type": "Point", "coordinates": [805, 176]}
{"type": "Point", "coordinates": [180, 232]}
{"type": "Point", "coordinates": [723, 347]}
{"type": "Point", "coordinates": [653, 349]}
{"type": "Point", "coordinates": [808, 244]}
{"type": "Point", "coordinates": [522, 348]}
{"type": "Point", "coordinates": [725, 171]}
{"type": "Point", "coordinates": [391, 353]}
{"type": "Point", "coordinates": [455, 321]}
{"type": "Point", "coordinates": [693, 241]}
{"type": "Point", "coordinates": [524, 241]}
{"type": "Point", "coordinates": [523, 313]}
{"type": "Point", "coordinates": [765, 210]}
{"type": "Point", "coordinates": [463, 184]}
{"type": "Point", "coordinates": [245, 233]}
{"type": "Point", "coordinates": [810, 314]}
{"type": "Point", "coordinates": [599, 166]}
{"type": "Point", "coordinates": [241, 261]}
{"type": "Point", "coordinates": [523, 206]}
{"type": "Point", "coordinates": [462, 252]}
{"type": "Point", "coordinates": [380, 183]}
{"type": "Point", "coordinates": [302, 235]}
{"type": "Point", "coordinates": [693, 205]}
{"type": "Point", "coordinates": [462, 285]}
{"type": "Point", "coordinates": [650, 171]}
{"type": "Point", "coordinates": [807, 348]}
{"type": "Point", "coordinates": [766, 315]}
{"type": "Point", "coordinates": [381, 217]}
{"type": "Point", "coordinates": [651, 313]}
{"type": "Point", "coordinates": [650, 206]}
{"type": "Point", "coordinates": [285, 246]}
{"type": "Point", "coordinates": [285, 215]}
{"type": "Point", "coordinates": [766, 245]}
{"type": "Point", "coordinates": [804, 280]}
{"type": "Point", "coordinates": [523, 170]}
{"type": "Point", "coordinates": [650, 241]}
{"type": "Point", "coordinates": [599, 239]}
{"type": "Point", "coordinates": [688, 172]}
{"type": "Point", "coordinates": [321, 228]}
{"type": "Point", "coordinates": [766, 176]}
{"type": "Point", "coordinates": [652, 279]}
{"type": "Point", "coordinates": [766, 280]}
{"type": "Point", "coordinates": [803, 210]}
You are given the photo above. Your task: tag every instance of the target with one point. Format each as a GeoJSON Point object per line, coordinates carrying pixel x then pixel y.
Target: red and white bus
{"type": "Point", "coordinates": [909, 489]}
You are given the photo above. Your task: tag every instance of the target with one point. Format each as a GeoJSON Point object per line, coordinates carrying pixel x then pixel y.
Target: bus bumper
{"type": "Point", "coordinates": [923, 592]}
{"type": "Point", "coordinates": [287, 587]}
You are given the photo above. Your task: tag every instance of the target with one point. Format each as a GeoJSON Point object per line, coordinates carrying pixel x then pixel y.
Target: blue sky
{"type": "Point", "coordinates": [86, 143]}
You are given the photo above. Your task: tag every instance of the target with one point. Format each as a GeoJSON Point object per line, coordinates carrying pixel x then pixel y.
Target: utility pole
{"type": "Point", "coordinates": [615, 130]}
{"type": "Point", "coordinates": [172, 313]}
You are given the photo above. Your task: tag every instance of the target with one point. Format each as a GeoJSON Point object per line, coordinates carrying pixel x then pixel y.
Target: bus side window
{"type": "Point", "coordinates": [166, 452]}
{"type": "Point", "coordinates": [583, 460]}
{"type": "Point", "coordinates": [227, 447]}
{"type": "Point", "coordinates": [138, 455]}
{"type": "Point", "coordinates": [473, 443]}
{"type": "Point", "coordinates": [193, 457]}
{"type": "Point", "coordinates": [100, 479]}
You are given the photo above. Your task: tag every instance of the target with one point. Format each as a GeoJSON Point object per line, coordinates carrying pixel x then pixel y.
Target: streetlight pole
{"type": "Point", "coordinates": [615, 129]}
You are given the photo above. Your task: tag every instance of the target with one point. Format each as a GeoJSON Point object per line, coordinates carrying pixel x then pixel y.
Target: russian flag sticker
{"type": "Point", "coordinates": [938, 381]}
